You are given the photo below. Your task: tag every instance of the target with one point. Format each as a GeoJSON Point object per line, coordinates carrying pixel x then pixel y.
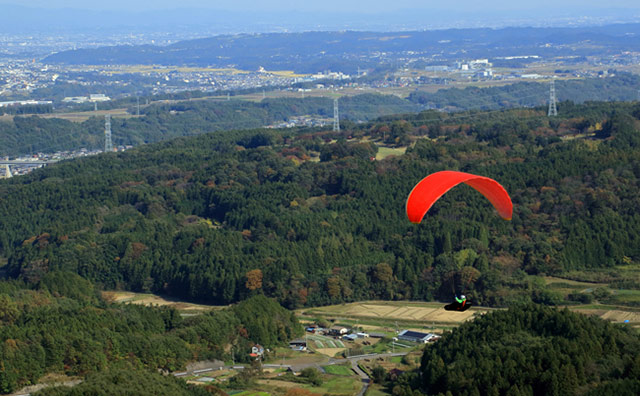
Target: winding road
{"type": "Point", "coordinates": [364, 377]}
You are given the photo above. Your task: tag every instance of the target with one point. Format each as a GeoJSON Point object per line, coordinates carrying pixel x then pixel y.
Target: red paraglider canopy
{"type": "Point", "coordinates": [432, 187]}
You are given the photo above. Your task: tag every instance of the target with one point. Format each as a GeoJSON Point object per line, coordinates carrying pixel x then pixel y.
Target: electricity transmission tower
{"type": "Point", "coordinates": [336, 118]}
{"type": "Point", "coordinates": [553, 111]}
{"type": "Point", "coordinates": [108, 146]}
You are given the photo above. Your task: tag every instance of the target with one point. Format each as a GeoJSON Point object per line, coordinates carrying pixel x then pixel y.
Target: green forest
{"type": "Point", "coordinates": [530, 350]}
{"type": "Point", "coordinates": [187, 113]}
{"type": "Point", "coordinates": [621, 87]}
{"type": "Point", "coordinates": [312, 218]}
{"type": "Point", "coordinates": [60, 324]}
{"type": "Point", "coordinates": [266, 218]}
{"type": "Point", "coordinates": [162, 121]}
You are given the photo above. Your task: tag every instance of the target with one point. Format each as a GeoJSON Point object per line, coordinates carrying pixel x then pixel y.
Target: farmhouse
{"type": "Point", "coordinates": [350, 337]}
{"type": "Point", "coordinates": [338, 330]}
{"type": "Point", "coordinates": [298, 345]}
{"type": "Point", "coordinates": [416, 336]}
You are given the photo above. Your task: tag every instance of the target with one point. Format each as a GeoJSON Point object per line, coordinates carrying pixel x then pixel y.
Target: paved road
{"type": "Point", "coordinates": [366, 381]}
{"type": "Point", "coordinates": [27, 163]}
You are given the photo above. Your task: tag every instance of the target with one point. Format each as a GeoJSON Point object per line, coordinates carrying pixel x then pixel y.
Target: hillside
{"type": "Point", "coordinates": [188, 113]}
{"type": "Point", "coordinates": [162, 121]}
{"type": "Point", "coordinates": [532, 350]}
{"type": "Point", "coordinates": [60, 325]}
{"type": "Point", "coordinates": [311, 52]}
{"type": "Point", "coordinates": [621, 87]}
{"type": "Point", "coordinates": [215, 217]}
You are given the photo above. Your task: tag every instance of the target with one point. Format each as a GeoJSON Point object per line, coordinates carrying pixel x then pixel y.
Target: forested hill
{"type": "Point", "coordinates": [310, 52]}
{"type": "Point", "coordinates": [312, 218]}
{"type": "Point", "coordinates": [162, 121]}
{"type": "Point", "coordinates": [621, 87]}
{"type": "Point", "coordinates": [59, 324]}
{"type": "Point", "coordinates": [533, 350]}
{"type": "Point", "coordinates": [165, 120]}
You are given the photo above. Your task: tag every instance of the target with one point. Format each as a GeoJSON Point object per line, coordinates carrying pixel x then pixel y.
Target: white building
{"type": "Point", "coordinates": [99, 98]}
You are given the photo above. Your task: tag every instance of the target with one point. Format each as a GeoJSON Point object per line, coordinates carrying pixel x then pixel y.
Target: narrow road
{"type": "Point", "coordinates": [366, 381]}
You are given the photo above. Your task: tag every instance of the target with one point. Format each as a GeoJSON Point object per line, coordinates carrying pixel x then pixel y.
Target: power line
{"type": "Point", "coordinates": [108, 146]}
{"type": "Point", "coordinates": [448, 116]}
{"type": "Point", "coordinates": [553, 111]}
{"type": "Point", "coordinates": [336, 118]}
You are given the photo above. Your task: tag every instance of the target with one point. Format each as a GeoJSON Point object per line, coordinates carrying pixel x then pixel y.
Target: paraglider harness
{"type": "Point", "coordinates": [460, 304]}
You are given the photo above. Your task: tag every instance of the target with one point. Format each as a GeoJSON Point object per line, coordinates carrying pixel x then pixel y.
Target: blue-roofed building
{"type": "Point", "coordinates": [416, 336]}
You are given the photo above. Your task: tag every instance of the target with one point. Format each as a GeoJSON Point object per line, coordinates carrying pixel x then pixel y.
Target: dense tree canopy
{"type": "Point", "coordinates": [60, 324]}
{"type": "Point", "coordinates": [323, 221]}
{"type": "Point", "coordinates": [533, 350]}
{"type": "Point", "coordinates": [163, 120]}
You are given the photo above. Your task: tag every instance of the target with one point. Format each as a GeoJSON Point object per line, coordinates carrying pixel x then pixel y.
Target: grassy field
{"type": "Point", "coordinates": [376, 390]}
{"type": "Point", "coordinates": [290, 357]}
{"type": "Point", "coordinates": [384, 152]}
{"type": "Point", "coordinates": [336, 369]}
{"type": "Point", "coordinates": [249, 393]}
{"type": "Point", "coordinates": [332, 385]}
{"type": "Point", "coordinates": [338, 386]}
{"type": "Point", "coordinates": [625, 297]}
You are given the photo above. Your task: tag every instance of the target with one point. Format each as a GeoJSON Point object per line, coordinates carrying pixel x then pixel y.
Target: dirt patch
{"type": "Point", "coordinates": [152, 299]}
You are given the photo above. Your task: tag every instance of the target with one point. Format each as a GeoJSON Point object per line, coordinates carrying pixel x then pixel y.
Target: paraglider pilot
{"type": "Point", "coordinates": [462, 300]}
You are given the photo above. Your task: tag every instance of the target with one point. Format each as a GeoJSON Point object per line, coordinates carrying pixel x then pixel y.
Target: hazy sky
{"type": "Point", "coordinates": [364, 6]}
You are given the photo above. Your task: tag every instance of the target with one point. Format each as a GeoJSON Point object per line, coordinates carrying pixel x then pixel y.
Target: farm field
{"type": "Point", "coordinates": [82, 116]}
{"type": "Point", "coordinates": [610, 313]}
{"type": "Point", "coordinates": [402, 311]}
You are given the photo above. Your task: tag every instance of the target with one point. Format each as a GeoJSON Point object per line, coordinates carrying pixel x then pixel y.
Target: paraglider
{"type": "Point", "coordinates": [434, 186]}
{"type": "Point", "coordinates": [461, 304]}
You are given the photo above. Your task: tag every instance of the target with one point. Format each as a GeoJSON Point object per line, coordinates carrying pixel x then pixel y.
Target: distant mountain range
{"type": "Point", "coordinates": [345, 51]}
{"type": "Point", "coordinates": [195, 22]}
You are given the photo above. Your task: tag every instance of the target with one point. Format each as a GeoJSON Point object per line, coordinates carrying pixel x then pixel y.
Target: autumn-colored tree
{"type": "Point", "coordinates": [254, 279]}
{"type": "Point", "coordinates": [333, 287]}
{"type": "Point", "coordinates": [383, 272]}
